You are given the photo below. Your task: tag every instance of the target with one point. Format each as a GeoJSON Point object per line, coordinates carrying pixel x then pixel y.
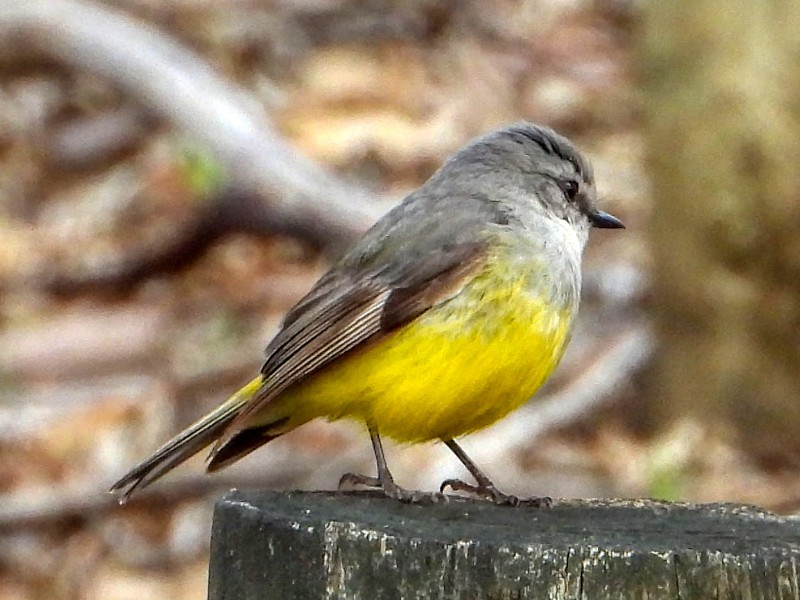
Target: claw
{"type": "Point", "coordinates": [491, 493]}
{"type": "Point", "coordinates": [349, 481]}
{"type": "Point", "coordinates": [390, 489]}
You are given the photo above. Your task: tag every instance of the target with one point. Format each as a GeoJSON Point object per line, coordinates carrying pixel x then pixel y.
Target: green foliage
{"type": "Point", "coordinates": [202, 172]}
{"type": "Point", "coordinates": [666, 482]}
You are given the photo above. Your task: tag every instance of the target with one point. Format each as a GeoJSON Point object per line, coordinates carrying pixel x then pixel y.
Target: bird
{"type": "Point", "coordinates": [444, 317]}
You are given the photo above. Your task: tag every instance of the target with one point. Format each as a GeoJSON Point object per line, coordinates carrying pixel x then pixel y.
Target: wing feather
{"type": "Point", "coordinates": [346, 310]}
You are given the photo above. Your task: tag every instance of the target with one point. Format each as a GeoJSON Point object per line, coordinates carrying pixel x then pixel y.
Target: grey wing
{"type": "Point", "coordinates": [414, 258]}
{"type": "Point", "coordinates": [365, 297]}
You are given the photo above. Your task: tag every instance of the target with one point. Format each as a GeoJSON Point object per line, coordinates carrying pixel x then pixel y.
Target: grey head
{"type": "Point", "coordinates": [532, 168]}
{"type": "Point", "coordinates": [522, 178]}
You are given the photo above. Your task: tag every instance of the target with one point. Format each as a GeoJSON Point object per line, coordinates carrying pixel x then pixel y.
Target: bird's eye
{"type": "Point", "coordinates": [570, 188]}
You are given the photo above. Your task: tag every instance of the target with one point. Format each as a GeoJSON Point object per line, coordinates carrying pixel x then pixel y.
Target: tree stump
{"type": "Point", "coordinates": [314, 545]}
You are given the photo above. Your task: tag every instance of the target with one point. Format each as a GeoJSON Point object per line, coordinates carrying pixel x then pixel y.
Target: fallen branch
{"type": "Point", "coordinates": [231, 211]}
{"type": "Point", "coordinates": [177, 86]}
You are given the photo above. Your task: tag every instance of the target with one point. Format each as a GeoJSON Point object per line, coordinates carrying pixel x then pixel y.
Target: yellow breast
{"type": "Point", "coordinates": [459, 367]}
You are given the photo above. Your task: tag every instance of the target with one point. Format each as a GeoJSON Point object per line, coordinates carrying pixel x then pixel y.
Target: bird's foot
{"type": "Point", "coordinates": [390, 489]}
{"type": "Point", "coordinates": [489, 492]}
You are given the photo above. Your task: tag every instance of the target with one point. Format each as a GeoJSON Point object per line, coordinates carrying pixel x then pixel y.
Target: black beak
{"type": "Point", "coordinates": [603, 220]}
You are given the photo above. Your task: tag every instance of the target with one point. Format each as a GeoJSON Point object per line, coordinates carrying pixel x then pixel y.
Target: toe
{"type": "Point", "coordinates": [349, 481]}
{"type": "Point", "coordinates": [543, 502]}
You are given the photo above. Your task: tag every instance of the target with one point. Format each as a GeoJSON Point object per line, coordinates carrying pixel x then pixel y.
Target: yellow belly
{"type": "Point", "coordinates": [459, 367]}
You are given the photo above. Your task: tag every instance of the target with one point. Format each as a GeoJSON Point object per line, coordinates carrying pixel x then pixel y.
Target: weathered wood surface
{"type": "Point", "coordinates": [309, 546]}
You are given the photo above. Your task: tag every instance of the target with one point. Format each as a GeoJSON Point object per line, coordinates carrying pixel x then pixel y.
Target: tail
{"type": "Point", "coordinates": [186, 444]}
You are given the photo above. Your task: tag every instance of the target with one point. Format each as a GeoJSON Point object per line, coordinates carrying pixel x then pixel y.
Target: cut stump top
{"type": "Point", "coordinates": [310, 545]}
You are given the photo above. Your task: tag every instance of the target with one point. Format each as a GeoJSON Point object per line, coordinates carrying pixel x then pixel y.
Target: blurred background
{"type": "Point", "coordinates": [175, 174]}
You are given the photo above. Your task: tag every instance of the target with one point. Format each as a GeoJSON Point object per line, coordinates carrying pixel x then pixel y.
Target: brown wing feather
{"type": "Point", "coordinates": [440, 281]}
{"type": "Point", "coordinates": [342, 313]}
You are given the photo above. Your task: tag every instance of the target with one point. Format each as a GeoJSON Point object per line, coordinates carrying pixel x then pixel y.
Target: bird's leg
{"type": "Point", "coordinates": [485, 488]}
{"type": "Point", "coordinates": [384, 480]}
